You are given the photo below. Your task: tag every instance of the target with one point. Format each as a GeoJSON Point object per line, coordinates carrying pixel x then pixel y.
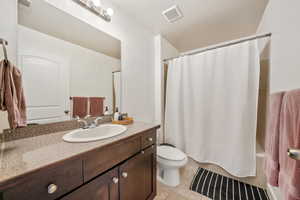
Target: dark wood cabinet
{"type": "Point", "coordinates": [123, 170]}
{"type": "Point", "coordinates": [105, 187]}
{"type": "Point", "coordinates": [135, 179]}
{"type": "Point", "coordinates": [98, 161]}
{"type": "Point", "coordinates": [138, 176]}
{"type": "Point", "coordinates": [48, 184]}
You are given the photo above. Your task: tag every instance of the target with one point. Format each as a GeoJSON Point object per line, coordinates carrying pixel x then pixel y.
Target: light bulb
{"type": "Point", "coordinates": [110, 11]}
{"type": "Point", "coordinates": [96, 3]}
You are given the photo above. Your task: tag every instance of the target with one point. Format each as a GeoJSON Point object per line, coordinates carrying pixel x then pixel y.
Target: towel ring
{"type": "Point", "coordinates": [4, 43]}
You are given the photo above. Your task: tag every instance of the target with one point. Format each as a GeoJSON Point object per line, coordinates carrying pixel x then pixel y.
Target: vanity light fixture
{"type": "Point", "coordinates": [25, 2]}
{"type": "Point", "coordinates": [97, 3]}
{"type": "Point", "coordinates": [110, 11]}
{"type": "Point", "coordinates": [95, 7]}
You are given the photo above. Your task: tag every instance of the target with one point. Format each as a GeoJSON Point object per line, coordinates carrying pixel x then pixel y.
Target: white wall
{"type": "Point", "coordinates": [8, 28]}
{"type": "Point", "coordinates": [89, 72]}
{"type": "Point", "coordinates": [163, 49]}
{"type": "Point", "coordinates": [137, 56]}
{"type": "Point", "coordinates": [8, 31]}
{"type": "Point", "coordinates": [168, 50]}
{"type": "Point", "coordinates": [282, 19]}
{"type": "Point", "coordinates": [158, 78]}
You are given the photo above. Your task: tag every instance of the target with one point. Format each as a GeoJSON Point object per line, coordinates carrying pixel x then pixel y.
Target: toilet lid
{"type": "Point", "coordinates": [170, 153]}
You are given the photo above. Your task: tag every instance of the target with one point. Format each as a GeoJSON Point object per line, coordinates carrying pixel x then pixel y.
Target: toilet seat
{"type": "Point", "coordinates": [170, 153]}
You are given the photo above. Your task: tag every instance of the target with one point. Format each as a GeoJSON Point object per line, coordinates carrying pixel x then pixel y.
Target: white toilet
{"type": "Point", "coordinates": [170, 160]}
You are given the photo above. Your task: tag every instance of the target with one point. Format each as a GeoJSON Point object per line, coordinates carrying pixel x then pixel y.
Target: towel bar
{"type": "Point", "coordinates": [294, 154]}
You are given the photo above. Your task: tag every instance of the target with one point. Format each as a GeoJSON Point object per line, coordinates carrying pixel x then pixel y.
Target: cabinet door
{"type": "Point", "coordinates": [105, 187]}
{"type": "Point", "coordinates": [138, 176]}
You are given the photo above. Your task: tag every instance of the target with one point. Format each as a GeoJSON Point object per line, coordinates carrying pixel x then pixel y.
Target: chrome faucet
{"type": "Point", "coordinates": [94, 124]}
{"type": "Point", "coordinates": [85, 123]}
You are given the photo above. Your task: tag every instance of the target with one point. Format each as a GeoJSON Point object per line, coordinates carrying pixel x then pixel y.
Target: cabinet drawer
{"type": "Point", "coordinates": [60, 178]}
{"type": "Point", "coordinates": [98, 161]}
{"type": "Point", "coordinates": [148, 138]}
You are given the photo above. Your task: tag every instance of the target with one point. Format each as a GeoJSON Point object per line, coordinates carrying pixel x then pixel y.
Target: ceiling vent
{"type": "Point", "coordinates": [172, 14]}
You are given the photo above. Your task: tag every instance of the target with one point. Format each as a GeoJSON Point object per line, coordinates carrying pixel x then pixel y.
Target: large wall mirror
{"type": "Point", "coordinates": [63, 60]}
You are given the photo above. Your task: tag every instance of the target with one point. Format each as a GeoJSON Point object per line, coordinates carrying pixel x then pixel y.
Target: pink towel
{"type": "Point", "coordinates": [80, 106]}
{"type": "Point", "coordinates": [12, 97]}
{"type": "Point", "coordinates": [96, 106]}
{"type": "Point", "coordinates": [272, 138]}
{"type": "Point", "coordinates": [289, 175]}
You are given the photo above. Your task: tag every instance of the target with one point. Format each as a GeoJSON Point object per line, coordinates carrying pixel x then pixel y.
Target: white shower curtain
{"type": "Point", "coordinates": [211, 106]}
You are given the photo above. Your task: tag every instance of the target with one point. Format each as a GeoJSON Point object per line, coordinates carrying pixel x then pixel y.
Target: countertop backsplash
{"type": "Point", "coordinates": [42, 129]}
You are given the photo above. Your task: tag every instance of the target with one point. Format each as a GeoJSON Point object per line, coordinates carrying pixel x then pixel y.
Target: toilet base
{"type": "Point", "coordinates": [169, 177]}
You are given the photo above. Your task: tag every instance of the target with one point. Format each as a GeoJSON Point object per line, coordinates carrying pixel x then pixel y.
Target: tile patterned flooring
{"type": "Point", "coordinates": [182, 191]}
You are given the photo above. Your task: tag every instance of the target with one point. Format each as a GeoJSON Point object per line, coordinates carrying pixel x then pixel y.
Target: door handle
{"type": "Point", "coordinates": [294, 154]}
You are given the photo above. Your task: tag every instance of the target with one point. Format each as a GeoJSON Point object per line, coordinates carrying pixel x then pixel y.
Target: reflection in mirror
{"type": "Point", "coordinates": [69, 68]}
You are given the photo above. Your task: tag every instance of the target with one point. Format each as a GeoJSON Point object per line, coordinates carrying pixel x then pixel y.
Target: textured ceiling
{"type": "Point", "coordinates": [205, 22]}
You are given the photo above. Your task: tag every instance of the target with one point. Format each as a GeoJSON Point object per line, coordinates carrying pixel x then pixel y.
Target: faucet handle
{"type": "Point", "coordinates": [85, 123]}
{"type": "Point", "coordinates": [87, 116]}
{"type": "Point", "coordinates": [97, 119]}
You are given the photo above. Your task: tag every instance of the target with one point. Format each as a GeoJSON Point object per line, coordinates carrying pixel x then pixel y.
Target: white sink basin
{"type": "Point", "coordinates": [99, 133]}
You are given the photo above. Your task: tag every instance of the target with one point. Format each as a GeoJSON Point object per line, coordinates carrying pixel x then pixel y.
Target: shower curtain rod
{"type": "Point", "coordinates": [221, 45]}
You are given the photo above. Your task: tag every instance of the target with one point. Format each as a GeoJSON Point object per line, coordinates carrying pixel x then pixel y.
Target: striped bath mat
{"type": "Point", "coordinates": [218, 187]}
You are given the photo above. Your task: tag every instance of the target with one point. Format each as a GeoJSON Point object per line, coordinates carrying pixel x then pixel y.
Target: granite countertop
{"type": "Point", "coordinates": [22, 156]}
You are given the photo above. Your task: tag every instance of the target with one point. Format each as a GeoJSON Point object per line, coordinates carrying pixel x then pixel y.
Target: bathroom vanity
{"type": "Point", "coordinates": [83, 76]}
{"type": "Point", "coordinates": [46, 168]}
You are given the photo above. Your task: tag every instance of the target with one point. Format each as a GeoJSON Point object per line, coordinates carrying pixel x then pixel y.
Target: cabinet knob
{"type": "Point", "coordinates": [124, 174]}
{"type": "Point", "coordinates": [150, 139]}
{"type": "Point", "coordinates": [143, 152]}
{"type": "Point", "coordinates": [115, 180]}
{"type": "Point", "coordinates": [52, 188]}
